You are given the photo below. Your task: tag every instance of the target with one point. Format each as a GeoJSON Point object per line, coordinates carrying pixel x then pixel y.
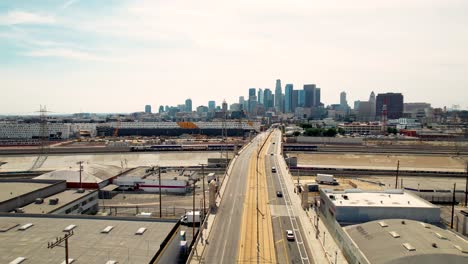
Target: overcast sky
{"type": "Point", "coordinates": [117, 56]}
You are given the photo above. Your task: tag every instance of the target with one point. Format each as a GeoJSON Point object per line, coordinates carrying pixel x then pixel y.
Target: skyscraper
{"type": "Point", "coordinates": [288, 91]}
{"type": "Point", "coordinates": [372, 103]}
{"type": "Point", "coordinates": [295, 100]}
{"type": "Point", "coordinates": [188, 105]}
{"type": "Point", "coordinates": [343, 101]}
{"type": "Point", "coordinates": [268, 99]}
{"type": "Point", "coordinates": [225, 106]}
{"type": "Point", "coordinates": [148, 109]}
{"type": "Point", "coordinates": [161, 109]}
{"type": "Point", "coordinates": [301, 98]}
{"type": "Point", "coordinates": [211, 105]}
{"type": "Point", "coordinates": [309, 94]}
{"type": "Point", "coordinates": [278, 96]}
{"type": "Point", "coordinates": [394, 102]}
{"type": "Point", "coordinates": [317, 97]}
{"type": "Point", "coordinates": [260, 96]}
{"type": "Point", "coordinates": [251, 92]}
{"type": "Point", "coordinates": [252, 100]}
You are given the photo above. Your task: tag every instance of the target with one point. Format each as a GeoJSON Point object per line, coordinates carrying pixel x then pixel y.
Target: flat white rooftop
{"type": "Point", "coordinates": [387, 198]}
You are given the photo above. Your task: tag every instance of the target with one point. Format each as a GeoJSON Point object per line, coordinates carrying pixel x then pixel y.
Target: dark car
{"type": "Point", "coordinates": [279, 194]}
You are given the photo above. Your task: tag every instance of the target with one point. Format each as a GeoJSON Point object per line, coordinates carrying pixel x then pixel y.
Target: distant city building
{"type": "Point", "coordinates": [252, 92]}
{"type": "Point", "coordinates": [161, 109]}
{"type": "Point", "coordinates": [295, 100]}
{"type": "Point", "coordinates": [301, 98]}
{"type": "Point", "coordinates": [268, 100]}
{"type": "Point", "coordinates": [278, 96]}
{"type": "Point", "coordinates": [188, 105]}
{"type": "Point", "coordinates": [312, 95]}
{"type": "Point", "coordinates": [225, 106]}
{"type": "Point", "coordinates": [372, 102]}
{"type": "Point", "coordinates": [235, 107]}
{"type": "Point", "coordinates": [252, 104]}
{"type": "Point", "coordinates": [148, 109]}
{"type": "Point", "coordinates": [202, 109]}
{"type": "Point", "coordinates": [211, 105]}
{"type": "Point", "coordinates": [288, 91]}
{"type": "Point", "coordinates": [417, 110]}
{"type": "Point", "coordinates": [260, 96]}
{"type": "Point", "coordinates": [343, 101]}
{"type": "Point", "coordinates": [394, 102]}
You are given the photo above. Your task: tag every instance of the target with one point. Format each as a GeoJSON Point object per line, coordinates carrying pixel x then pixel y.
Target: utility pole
{"type": "Point", "coordinates": [152, 170]}
{"type": "Point", "coordinates": [160, 198]}
{"type": "Point", "coordinates": [193, 212]}
{"type": "Point", "coordinates": [80, 163]}
{"type": "Point", "coordinates": [203, 178]}
{"type": "Point", "coordinates": [453, 204]}
{"type": "Point", "coordinates": [397, 171]}
{"type": "Point", "coordinates": [59, 241]}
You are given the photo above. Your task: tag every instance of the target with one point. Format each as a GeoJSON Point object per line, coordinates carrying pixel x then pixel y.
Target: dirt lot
{"type": "Point", "coordinates": [381, 161]}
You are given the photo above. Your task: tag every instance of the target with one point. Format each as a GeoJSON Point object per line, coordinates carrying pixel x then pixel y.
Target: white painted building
{"type": "Point", "coordinates": [11, 130]}
{"type": "Point", "coordinates": [356, 206]}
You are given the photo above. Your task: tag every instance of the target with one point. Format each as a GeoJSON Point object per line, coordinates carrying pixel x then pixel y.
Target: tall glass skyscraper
{"type": "Point", "coordinates": [211, 105]}
{"type": "Point", "coordinates": [188, 105]}
{"type": "Point", "coordinates": [278, 96]}
{"type": "Point", "coordinates": [288, 91]}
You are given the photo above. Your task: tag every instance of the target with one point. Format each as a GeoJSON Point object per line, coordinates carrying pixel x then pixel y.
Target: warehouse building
{"type": "Point", "coordinates": [399, 241]}
{"type": "Point", "coordinates": [355, 206]}
{"type": "Point", "coordinates": [93, 239]}
{"type": "Point", "coordinates": [94, 176]}
{"type": "Point", "coordinates": [145, 179]}
{"type": "Point", "coordinates": [45, 197]}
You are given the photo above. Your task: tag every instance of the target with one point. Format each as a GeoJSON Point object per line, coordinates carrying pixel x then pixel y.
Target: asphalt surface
{"type": "Point", "coordinates": [282, 220]}
{"type": "Point", "coordinates": [222, 247]}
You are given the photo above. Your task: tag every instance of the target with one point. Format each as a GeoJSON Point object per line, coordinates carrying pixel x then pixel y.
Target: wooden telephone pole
{"type": "Point", "coordinates": [59, 241]}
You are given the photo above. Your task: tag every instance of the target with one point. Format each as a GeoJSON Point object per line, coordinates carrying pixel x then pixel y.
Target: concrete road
{"type": "Point", "coordinates": [283, 219]}
{"type": "Point", "coordinates": [225, 234]}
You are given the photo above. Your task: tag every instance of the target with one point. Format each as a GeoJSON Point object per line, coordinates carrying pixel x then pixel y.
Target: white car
{"type": "Point", "coordinates": [290, 235]}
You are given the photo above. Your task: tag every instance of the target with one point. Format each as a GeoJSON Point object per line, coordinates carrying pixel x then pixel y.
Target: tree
{"type": "Point", "coordinates": [313, 132]}
{"type": "Point", "coordinates": [305, 126]}
{"type": "Point", "coordinates": [341, 131]}
{"type": "Point", "coordinates": [391, 130]}
{"type": "Point", "coordinates": [331, 132]}
{"type": "Point", "coordinates": [296, 133]}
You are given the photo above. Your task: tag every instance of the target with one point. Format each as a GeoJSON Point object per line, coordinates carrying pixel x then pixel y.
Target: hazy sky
{"type": "Point", "coordinates": [117, 56]}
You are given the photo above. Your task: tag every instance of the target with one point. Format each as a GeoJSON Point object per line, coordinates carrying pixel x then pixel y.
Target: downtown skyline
{"type": "Point", "coordinates": [82, 56]}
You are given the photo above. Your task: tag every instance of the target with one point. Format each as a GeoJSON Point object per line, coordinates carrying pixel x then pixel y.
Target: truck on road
{"type": "Point", "coordinates": [191, 217]}
{"type": "Point", "coordinates": [326, 179]}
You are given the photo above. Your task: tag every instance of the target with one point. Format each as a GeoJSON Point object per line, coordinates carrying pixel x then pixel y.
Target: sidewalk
{"type": "Point", "coordinates": [323, 248]}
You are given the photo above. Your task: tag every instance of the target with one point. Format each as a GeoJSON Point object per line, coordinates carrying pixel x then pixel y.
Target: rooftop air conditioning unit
{"type": "Point", "coordinates": [53, 201]}
{"type": "Point", "coordinates": [80, 191]}
{"type": "Point", "coordinates": [39, 201]}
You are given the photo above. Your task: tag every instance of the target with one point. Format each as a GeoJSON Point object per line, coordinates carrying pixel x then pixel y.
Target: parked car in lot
{"type": "Point", "coordinates": [290, 235]}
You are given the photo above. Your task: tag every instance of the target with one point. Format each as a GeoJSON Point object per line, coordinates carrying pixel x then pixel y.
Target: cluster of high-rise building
{"type": "Point", "coordinates": [288, 101]}
{"type": "Point", "coordinates": [305, 103]}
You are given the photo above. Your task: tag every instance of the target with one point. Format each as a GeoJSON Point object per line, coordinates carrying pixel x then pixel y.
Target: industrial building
{"type": "Point", "coordinates": [399, 241]}
{"type": "Point", "coordinates": [93, 239]}
{"type": "Point", "coordinates": [45, 197]}
{"type": "Point", "coordinates": [355, 206]}
{"type": "Point", "coordinates": [215, 128]}
{"type": "Point", "coordinates": [144, 179]}
{"type": "Point", "coordinates": [13, 130]}
{"type": "Point", "coordinates": [93, 176]}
